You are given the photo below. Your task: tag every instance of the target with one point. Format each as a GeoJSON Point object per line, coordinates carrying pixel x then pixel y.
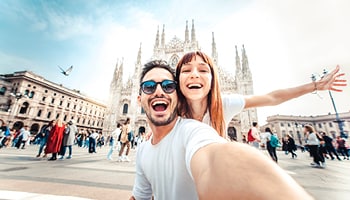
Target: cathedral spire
{"type": "Point", "coordinates": [214, 53]}
{"type": "Point", "coordinates": [163, 36]}
{"type": "Point", "coordinates": [245, 64]}
{"type": "Point", "coordinates": [156, 45]}
{"type": "Point", "coordinates": [138, 61]}
{"type": "Point", "coordinates": [193, 33]}
{"type": "Point", "coordinates": [238, 65]}
{"type": "Point", "coordinates": [187, 33]}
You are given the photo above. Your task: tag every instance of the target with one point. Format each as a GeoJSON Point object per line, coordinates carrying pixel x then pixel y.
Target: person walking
{"type": "Point", "coordinates": [341, 143]}
{"type": "Point", "coordinates": [254, 135]}
{"type": "Point", "coordinates": [272, 143]}
{"type": "Point", "coordinates": [313, 145]}
{"type": "Point", "coordinates": [291, 147]}
{"type": "Point", "coordinates": [44, 135]}
{"type": "Point", "coordinates": [23, 137]}
{"type": "Point", "coordinates": [124, 139]}
{"type": "Point", "coordinates": [329, 146]}
{"type": "Point", "coordinates": [68, 139]}
{"type": "Point", "coordinates": [114, 140]}
{"type": "Point", "coordinates": [54, 141]}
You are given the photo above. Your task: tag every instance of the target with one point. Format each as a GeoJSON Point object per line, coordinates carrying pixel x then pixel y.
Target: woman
{"type": "Point", "coordinates": [125, 141]}
{"type": "Point", "coordinates": [271, 144]}
{"type": "Point", "coordinates": [54, 141]}
{"type": "Point", "coordinates": [313, 144]}
{"type": "Point", "coordinates": [44, 135]}
{"type": "Point", "coordinates": [200, 97]}
{"type": "Point", "coordinates": [291, 147]}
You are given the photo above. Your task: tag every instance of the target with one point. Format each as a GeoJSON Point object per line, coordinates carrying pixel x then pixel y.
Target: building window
{"type": "Point", "coordinates": [24, 108]}
{"type": "Point", "coordinates": [43, 99]}
{"type": "Point", "coordinates": [330, 124]}
{"type": "Point", "coordinates": [65, 118]}
{"type": "Point", "coordinates": [31, 94]}
{"type": "Point", "coordinates": [39, 113]}
{"type": "Point", "coordinates": [61, 102]}
{"type": "Point", "coordinates": [282, 125]}
{"type": "Point", "coordinates": [319, 125]}
{"type": "Point", "coordinates": [26, 92]}
{"type": "Point", "coordinates": [125, 109]}
{"type": "Point", "coordinates": [52, 100]}
{"type": "Point", "coordinates": [68, 104]}
{"type": "Point", "coordinates": [3, 90]}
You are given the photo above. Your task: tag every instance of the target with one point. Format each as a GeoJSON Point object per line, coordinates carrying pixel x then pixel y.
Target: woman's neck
{"type": "Point", "coordinates": [198, 109]}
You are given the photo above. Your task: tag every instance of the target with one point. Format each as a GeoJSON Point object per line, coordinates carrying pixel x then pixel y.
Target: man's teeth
{"type": "Point", "coordinates": [158, 102]}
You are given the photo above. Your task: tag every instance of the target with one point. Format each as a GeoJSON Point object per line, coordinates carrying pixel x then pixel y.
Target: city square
{"type": "Point", "coordinates": [92, 176]}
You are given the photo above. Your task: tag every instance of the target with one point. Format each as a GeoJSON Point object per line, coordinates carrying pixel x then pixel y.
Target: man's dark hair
{"type": "Point", "coordinates": [156, 64]}
{"type": "Point", "coordinates": [255, 123]}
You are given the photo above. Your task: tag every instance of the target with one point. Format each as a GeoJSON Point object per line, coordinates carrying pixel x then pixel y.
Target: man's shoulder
{"type": "Point", "coordinates": [191, 123]}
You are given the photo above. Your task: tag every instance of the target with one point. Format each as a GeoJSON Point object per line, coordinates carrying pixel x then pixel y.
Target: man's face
{"type": "Point", "coordinates": [159, 106]}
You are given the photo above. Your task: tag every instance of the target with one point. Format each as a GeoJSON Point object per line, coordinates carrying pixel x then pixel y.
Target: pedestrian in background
{"type": "Point", "coordinates": [54, 141]}
{"type": "Point", "coordinates": [114, 140]}
{"type": "Point", "coordinates": [44, 135]}
{"type": "Point", "coordinates": [291, 147]}
{"type": "Point", "coordinates": [68, 139]}
{"type": "Point", "coordinates": [126, 131]}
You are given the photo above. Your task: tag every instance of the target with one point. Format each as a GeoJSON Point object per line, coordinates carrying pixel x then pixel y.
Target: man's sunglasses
{"type": "Point", "coordinates": [149, 87]}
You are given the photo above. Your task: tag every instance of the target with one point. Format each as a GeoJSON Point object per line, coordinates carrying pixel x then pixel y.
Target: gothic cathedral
{"type": "Point", "coordinates": [122, 101]}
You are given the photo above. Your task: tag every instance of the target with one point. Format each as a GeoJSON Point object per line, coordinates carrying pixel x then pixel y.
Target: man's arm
{"type": "Point", "coordinates": [237, 171]}
{"type": "Point", "coordinates": [328, 82]}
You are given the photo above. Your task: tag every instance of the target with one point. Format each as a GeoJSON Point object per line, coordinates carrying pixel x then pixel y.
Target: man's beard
{"type": "Point", "coordinates": [162, 123]}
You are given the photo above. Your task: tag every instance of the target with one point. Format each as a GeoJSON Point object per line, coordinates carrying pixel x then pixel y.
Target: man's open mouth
{"type": "Point", "coordinates": [159, 105]}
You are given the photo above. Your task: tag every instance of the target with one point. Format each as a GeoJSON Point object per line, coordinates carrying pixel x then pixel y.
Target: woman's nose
{"type": "Point", "coordinates": [194, 73]}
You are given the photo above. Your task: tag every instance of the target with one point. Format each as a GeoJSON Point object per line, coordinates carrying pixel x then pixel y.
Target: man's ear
{"type": "Point", "coordinates": [139, 100]}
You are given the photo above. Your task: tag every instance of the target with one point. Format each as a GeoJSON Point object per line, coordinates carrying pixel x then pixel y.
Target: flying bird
{"type": "Point", "coordinates": [66, 72]}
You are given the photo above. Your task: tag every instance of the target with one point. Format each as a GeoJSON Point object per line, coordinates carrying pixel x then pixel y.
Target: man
{"type": "Point", "coordinates": [68, 139]}
{"type": "Point", "coordinates": [255, 134]}
{"type": "Point", "coordinates": [187, 159]}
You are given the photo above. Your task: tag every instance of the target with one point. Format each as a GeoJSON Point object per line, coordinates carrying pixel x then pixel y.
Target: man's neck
{"type": "Point", "coordinates": [159, 132]}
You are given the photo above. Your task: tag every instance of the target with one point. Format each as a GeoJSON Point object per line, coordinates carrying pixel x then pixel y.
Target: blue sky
{"type": "Point", "coordinates": [286, 41]}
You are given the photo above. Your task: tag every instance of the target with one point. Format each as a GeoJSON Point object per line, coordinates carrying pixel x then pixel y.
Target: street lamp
{"type": "Point", "coordinates": [17, 96]}
{"type": "Point", "coordinates": [337, 118]}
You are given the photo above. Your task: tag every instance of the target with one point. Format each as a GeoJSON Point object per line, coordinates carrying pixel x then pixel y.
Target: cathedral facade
{"type": "Point", "coordinates": [122, 101]}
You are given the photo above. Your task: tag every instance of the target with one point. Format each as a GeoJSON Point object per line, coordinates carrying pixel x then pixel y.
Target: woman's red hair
{"type": "Point", "coordinates": [214, 95]}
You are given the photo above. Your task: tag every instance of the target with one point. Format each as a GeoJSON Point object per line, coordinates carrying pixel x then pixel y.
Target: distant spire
{"type": "Point", "coordinates": [193, 32]}
{"type": "Point", "coordinates": [214, 53]}
{"type": "Point", "coordinates": [245, 65]}
{"type": "Point", "coordinates": [139, 55]}
{"type": "Point", "coordinates": [156, 45]}
{"type": "Point", "coordinates": [238, 62]}
{"type": "Point", "coordinates": [163, 36]}
{"type": "Point", "coordinates": [187, 33]}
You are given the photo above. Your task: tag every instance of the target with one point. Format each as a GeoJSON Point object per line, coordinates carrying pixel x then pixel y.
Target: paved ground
{"type": "Point", "coordinates": [92, 176]}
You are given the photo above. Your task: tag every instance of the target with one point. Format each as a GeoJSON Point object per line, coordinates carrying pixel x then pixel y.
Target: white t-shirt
{"type": "Point", "coordinates": [115, 134]}
{"type": "Point", "coordinates": [232, 105]}
{"type": "Point", "coordinates": [164, 169]}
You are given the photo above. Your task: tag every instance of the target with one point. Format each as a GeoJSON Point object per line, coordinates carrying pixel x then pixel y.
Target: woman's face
{"type": "Point", "coordinates": [195, 79]}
